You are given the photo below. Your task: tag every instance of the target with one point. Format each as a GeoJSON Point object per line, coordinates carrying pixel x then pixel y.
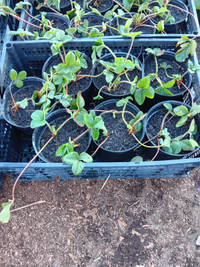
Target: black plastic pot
{"type": "Point", "coordinates": [121, 21]}
{"type": "Point", "coordinates": [106, 155]}
{"type": "Point", "coordinates": [51, 119]}
{"type": "Point", "coordinates": [36, 83]}
{"type": "Point", "coordinates": [170, 56]}
{"type": "Point", "coordinates": [162, 155]}
{"type": "Point", "coordinates": [55, 60]}
{"type": "Point", "coordinates": [105, 94]}
{"type": "Point", "coordinates": [173, 27]}
{"type": "Point", "coordinates": [93, 20]}
{"type": "Point", "coordinates": [59, 22]}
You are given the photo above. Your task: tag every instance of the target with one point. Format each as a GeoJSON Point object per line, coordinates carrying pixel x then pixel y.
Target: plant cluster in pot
{"type": "Point", "coordinates": [124, 123]}
{"type": "Point", "coordinates": [133, 5]}
{"type": "Point", "coordinates": [45, 22]}
{"type": "Point", "coordinates": [68, 132]}
{"type": "Point", "coordinates": [71, 71]}
{"type": "Point", "coordinates": [113, 72]}
{"type": "Point", "coordinates": [65, 134]}
{"type": "Point", "coordinates": [18, 104]}
{"type": "Point", "coordinates": [88, 25]}
{"type": "Point", "coordinates": [170, 79]}
{"type": "Point", "coordinates": [170, 15]}
{"type": "Point", "coordinates": [41, 25]}
{"type": "Point", "coordinates": [101, 5]}
{"type": "Point", "coordinates": [172, 128]}
{"type": "Point", "coordinates": [52, 5]}
{"type": "Point", "coordinates": [131, 22]}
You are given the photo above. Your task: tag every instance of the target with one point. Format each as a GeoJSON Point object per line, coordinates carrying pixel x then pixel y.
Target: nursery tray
{"type": "Point", "coordinates": [189, 29]}
{"type": "Point", "coordinates": [16, 147]}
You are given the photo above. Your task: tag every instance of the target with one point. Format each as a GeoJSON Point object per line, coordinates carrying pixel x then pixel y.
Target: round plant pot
{"type": "Point", "coordinates": [83, 85]}
{"type": "Point", "coordinates": [65, 5]}
{"type": "Point", "coordinates": [180, 16]}
{"type": "Point", "coordinates": [121, 21]}
{"type": "Point", "coordinates": [120, 145]}
{"type": "Point", "coordinates": [123, 89]}
{"type": "Point", "coordinates": [70, 130]}
{"type": "Point", "coordinates": [93, 20]}
{"type": "Point", "coordinates": [59, 22]}
{"type": "Point", "coordinates": [22, 118]}
{"type": "Point", "coordinates": [177, 68]}
{"type": "Point", "coordinates": [153, 122]}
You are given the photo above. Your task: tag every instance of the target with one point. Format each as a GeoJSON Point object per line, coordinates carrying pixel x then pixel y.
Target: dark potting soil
{"type": "Point", "coordinates": [80, 85]}
{"type": "Point", "coordinates": [70, 129]}
{"type": "Point", "coordinates": [119, 139]}
{"type": "Point", "coordinates": [100, 5]}
{"type": "Point", "coordinates": [154, 124]}
{"type": "Point", "coordinates": [58, 23]}
{"type": "Point", "coordinates": [122, 21]}
{"type": "Point", "coordinates": [93, 21]}
{"type": "Point", "coordinates": [178, 14]}
{"type": "Point", "coordinates": [122, 88]}
{"type": "Point", "coordinates": [150, 67]}
{"type": "Point", "coordinates": [23, 116]}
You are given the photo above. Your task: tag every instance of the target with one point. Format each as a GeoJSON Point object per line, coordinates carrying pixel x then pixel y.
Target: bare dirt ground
{"type": "Point", "coordinates": [127, 223]}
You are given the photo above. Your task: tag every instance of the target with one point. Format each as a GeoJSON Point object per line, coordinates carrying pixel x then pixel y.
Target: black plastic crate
{"type": "Point", "coordinates": [189, 29]}
{"type": "Point", "coordinates": [30, 56]}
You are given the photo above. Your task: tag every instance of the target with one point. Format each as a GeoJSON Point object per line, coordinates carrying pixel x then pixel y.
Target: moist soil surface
{"type": "Point", "coordinates": [116, 22]}
{"type": "Point", "coordinates": [23, 116]}
{"type": "Point", "coordinates": [82, 223]}
{"type": "Point", "coordinates": [150, 67]}
{"type": "Point", "coordinates": [119, 139]}
{"type": "Point", "coordinates": [155, 122]}
{"type": "Point", "coordinates": [122, 88]}
{"type": "Point", "coordinates": [57, 22]}
{"type": "Point", "coordinates": [178, 14]}
{"type": "Point", "coordinates": [93, 21]}
{"type": "Point", "coordinates": [70, 129]}
{"type": "Point", "coordinates": [80, 85]}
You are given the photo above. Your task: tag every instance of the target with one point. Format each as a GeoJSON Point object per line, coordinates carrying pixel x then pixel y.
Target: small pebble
{"type": "Point", "coordinates": [198, 241]}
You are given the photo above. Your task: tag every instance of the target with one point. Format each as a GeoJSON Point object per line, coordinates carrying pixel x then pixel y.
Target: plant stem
{"type": "Point", "coordinates": [133, 133]}
{"type": "Point", "coordinates": [54, 10]}
{"type": "Point", "coordinates": [81, 135]}
{"type": "Point", "coordinates": [64, 50]}
{"type": "Point", "coordinates": [63, 124]}
{"type": "Point", "coordinates": [158, 149]}
{"type": "Point", "coordinates": [156, 62]}
{"type": "Point", "coordinates": [13, 100]}
{"type": "Point", "coordinates": [19, 176]}
{"type": "Point", "coordinates": [91, 76]}
{"type": "Point", "coordinates": [110, 49]}
{"type": "Point", "coordinates": [189, 93]}
{"type": "Point", "coordinates": [123, 8]}
{"type": "Point", "coordinates": [100, 145]}
{"type": "Point", "coordinates": [18, 18]}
